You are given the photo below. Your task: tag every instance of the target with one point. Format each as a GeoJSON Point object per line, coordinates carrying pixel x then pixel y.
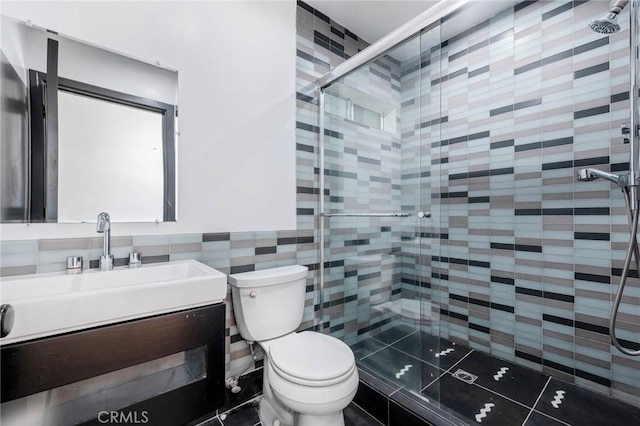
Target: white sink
{"type": "Point", "coordinates": [48, 304]}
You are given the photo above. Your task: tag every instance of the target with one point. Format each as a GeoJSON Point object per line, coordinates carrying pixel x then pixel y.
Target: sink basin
{"type": "Point", "coordinates": [48, 304]}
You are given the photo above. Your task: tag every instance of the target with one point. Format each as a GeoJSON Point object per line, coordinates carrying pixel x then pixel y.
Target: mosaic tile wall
{"type": "Point", "coordinates": [519, 259]}
{"type": "Point", "coordinates": [529, 259]}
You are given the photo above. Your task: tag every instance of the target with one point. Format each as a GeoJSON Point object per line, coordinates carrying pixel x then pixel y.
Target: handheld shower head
{"type": "Point", "coordinates": [608, 23]}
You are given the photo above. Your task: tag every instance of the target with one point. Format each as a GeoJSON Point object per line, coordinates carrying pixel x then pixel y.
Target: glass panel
{"type": "Point", "coordinates": [84, 400]}
{"type": "Point", "coordinates": [500, 281]}
{"type": "Point", "coordinates": [431, 227]}
{"type": "Point", "coordinates": [378, 276]}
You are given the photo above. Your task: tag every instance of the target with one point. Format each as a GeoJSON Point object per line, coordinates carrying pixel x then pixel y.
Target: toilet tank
{"type": "Point", "coordinates": [268, 303]}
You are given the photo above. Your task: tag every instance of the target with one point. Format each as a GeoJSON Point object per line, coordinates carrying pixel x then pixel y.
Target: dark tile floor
{"type": "Point", "coordinates": [247, 415]}
{"type": "Point", "coordinates": [478, 388]}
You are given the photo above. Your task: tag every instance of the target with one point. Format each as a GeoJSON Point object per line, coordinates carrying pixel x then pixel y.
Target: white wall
{"type": "Point", "coordinates": [88, 64]}
{"type": "Point", "coordinates": [236, 67]}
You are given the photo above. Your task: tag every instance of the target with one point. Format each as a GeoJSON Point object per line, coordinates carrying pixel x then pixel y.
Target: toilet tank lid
{"type": "Point", "coordinates": [267, 277]}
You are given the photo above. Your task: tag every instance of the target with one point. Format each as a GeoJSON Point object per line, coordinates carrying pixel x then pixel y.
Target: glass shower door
{"type": "Point", "coordinates": [380, 232]}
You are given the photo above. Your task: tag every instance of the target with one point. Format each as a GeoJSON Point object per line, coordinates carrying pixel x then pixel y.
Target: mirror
{"type": "Point", "coordinates": [83, 130]}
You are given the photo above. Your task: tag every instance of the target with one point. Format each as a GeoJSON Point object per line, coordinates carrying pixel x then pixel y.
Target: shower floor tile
{"type": "Point", "coordinates": [401, 369]}
{"type": "Point", "coordinates": [366, 347]}
{"type": "Point", "coordinates": [578, 406]}
{"type": "Point", "coordinates": [436, 351]}
{"type": "Point", "coordinates": [516, 382]}
{"type": "Point", "coordinates": [538, 419]}
{"type": "Point", "coordinates": [474, 402]}
{"type": "Point", "coordinates": [518, 396]}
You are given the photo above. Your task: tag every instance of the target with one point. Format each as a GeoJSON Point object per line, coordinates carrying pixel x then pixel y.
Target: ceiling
{"type": "Point", "coordinates": [371, 19]}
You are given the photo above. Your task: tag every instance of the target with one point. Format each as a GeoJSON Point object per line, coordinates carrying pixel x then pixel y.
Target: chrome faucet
{"type": "Point", "coordinates": [104, 226]}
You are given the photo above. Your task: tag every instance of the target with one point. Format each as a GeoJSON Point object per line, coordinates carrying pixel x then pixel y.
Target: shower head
{"type": "Point", "coordinates": [605, 25]}
{"type": "Point", "coordinates": [608, 23]}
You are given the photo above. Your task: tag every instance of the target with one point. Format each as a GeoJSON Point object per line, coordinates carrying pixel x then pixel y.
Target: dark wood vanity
{"type": "Point", "coordinates": [85, 377]}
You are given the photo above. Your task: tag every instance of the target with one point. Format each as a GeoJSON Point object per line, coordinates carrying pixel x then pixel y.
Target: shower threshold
{"type": "Point", "coordinates": [409, 377]}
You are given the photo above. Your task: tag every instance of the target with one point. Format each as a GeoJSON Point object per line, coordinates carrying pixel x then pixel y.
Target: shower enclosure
{"type": "Point", "coordinates": [457, 243]}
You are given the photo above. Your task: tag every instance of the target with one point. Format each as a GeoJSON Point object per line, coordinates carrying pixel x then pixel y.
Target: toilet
{"type": "Point", "coordinates": [309, 377]}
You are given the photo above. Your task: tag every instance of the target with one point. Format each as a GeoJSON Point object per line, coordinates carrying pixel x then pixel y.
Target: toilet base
{"type": "Point", "coordinates": [269, 412]}
{"type": "Point", "coordinates": [333, 419]}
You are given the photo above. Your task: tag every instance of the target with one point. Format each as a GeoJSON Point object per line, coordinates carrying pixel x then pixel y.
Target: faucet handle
{"type": "Point", "coordinates": [74, 264]}
{"type": "Point", "coordinates": [135, 260]}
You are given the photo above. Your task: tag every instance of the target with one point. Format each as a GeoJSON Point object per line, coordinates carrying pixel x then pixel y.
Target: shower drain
{"type": "Point", "coordinates": [465, 376]}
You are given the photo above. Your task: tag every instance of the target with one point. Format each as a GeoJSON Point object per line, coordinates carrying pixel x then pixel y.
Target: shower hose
{"type": "Point", "coordinates": [632, 251]}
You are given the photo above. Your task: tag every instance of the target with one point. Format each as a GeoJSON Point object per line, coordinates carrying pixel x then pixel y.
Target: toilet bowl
{"type": "Point", "coordinates": [309, 377]}
{"type": "Point", "coordinates": [312, 374]}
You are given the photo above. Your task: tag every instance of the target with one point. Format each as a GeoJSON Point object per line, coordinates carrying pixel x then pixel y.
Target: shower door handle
{"type": "Point", "coordinates": [364, 214]}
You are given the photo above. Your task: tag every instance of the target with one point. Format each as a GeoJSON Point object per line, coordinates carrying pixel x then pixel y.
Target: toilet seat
{"type": "Point", "coordinates": [311, 359]}
{"type": "Point", "coordinates": [311, 383]}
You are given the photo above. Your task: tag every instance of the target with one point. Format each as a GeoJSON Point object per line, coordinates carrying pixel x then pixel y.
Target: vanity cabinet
{"type": "Point", "coordinates": [161, 370]}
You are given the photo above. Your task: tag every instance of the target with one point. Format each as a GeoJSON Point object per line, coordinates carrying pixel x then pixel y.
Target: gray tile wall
{"type": "Point", "coordinates": [531, 258]}
{"type": "Point", "coordinates": [521, 260]}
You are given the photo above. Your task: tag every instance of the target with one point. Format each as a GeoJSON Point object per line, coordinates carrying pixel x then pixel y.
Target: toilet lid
{"type": "Point", "coordinates": [312, 356]}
